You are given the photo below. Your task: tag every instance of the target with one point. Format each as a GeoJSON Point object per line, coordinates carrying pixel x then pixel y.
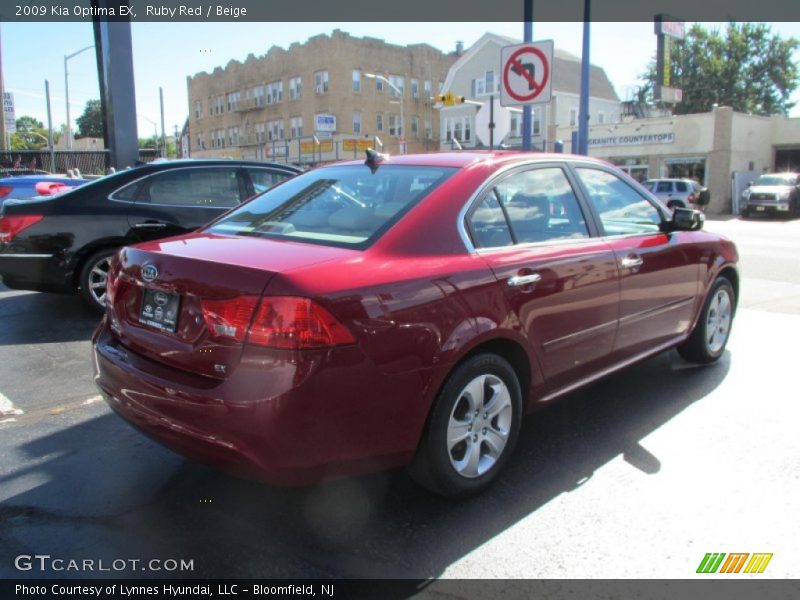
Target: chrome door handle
{"type": "Point", "coordinates": [152, 225]}
{"type": "Point", "coordinates": [631, 262]}
{"type": "Point", "coordinates": [518, 280]}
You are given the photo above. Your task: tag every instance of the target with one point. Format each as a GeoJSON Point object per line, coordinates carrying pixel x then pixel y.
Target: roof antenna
{"type": "Point", "coordinates": [374, 159]}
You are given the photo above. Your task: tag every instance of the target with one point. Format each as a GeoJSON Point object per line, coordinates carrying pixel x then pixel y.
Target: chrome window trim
{"type": "Point", "coordinates": [508, 170]}
{"type": "Point", "coordinates": [183, 168]}
{"type": "Point", "coordinates": [2, 255]}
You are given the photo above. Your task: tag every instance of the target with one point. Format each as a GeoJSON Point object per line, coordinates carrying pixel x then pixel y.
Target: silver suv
{"type": "Point", "coordinates": [681, 193]}
{"type": "Point", "coordinates": [773, 193]}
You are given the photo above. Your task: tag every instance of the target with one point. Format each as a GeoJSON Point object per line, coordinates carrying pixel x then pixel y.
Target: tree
{"type": "Point", "coordinates": [747, 68]}
{"type": "Point", "coordinates": [30, 134]}
{"type": "Point", "coordinates": [90, 123]}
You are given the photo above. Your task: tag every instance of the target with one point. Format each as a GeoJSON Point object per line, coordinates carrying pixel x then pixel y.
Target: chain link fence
{"type": "Point", "coordinates": [88, 162]}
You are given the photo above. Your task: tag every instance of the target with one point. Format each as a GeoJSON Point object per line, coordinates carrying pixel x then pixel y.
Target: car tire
{"type": "Point", "coordinates": [710, 336]}
{"type": "Point", "coordinates": [92, 278]}
{"type": "Point", "coordinates": [472, 429]}
{"type": "Point", "coordinates": [745, 213]}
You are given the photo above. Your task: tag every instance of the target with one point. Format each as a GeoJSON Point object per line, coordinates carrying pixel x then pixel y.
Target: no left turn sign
{"type": "Point", "coordinates": [527, 73]}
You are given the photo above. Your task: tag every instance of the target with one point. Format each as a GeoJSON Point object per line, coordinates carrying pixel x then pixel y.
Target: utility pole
{"type": "Point", "coordinates": [3, 101]}
{"type": "Point", "coordinates": [163, 135]}
{"type": "Point", "coordinates": [50, 128]}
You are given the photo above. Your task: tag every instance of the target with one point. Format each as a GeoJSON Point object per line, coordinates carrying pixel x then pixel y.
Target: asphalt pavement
{"type": "Point", "coordinates": [637, 476]}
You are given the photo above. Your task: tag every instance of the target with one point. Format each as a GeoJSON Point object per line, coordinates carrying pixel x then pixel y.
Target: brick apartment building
{"type": "Point", "coordinates": [274, 106]}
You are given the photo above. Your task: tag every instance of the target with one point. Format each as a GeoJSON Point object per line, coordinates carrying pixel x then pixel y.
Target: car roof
{"type": "Point", "coordinates": [463, 159]}
{"type": "Point", "coordinates": [205, 162]}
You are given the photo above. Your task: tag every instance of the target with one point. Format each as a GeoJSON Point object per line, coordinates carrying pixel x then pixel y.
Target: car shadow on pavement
{"type": "Point", "coordinates": [99, 489]}
{"type": "Point", "coordinates": [38, 318]}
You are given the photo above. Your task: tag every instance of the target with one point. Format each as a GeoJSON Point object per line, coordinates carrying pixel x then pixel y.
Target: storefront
{"type": "Point", "coordinates": [713, 148]}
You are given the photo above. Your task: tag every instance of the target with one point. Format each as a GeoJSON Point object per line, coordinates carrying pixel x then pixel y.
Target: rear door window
{"type": "Point", "coordinates": [664, 187]}
{"type": "Point", "coordinates": [264, 179]}
{"type": "Point", "coordinates": [197, 186]}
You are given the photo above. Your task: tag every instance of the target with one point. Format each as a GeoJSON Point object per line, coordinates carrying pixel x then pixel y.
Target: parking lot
{"type": "Point", "coordinates": [637, 476]}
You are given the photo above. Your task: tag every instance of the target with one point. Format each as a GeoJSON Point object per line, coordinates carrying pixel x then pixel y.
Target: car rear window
{"type": "Point", "coordinates": [346, 205]}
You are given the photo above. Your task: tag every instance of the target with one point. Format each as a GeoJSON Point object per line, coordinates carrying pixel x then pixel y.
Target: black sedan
{"type": "Point", "coordinates": [63, 244]}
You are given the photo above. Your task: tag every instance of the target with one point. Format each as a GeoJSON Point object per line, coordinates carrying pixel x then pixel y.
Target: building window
{"type": "Point", "coordinates": [601, 117]}
{"type": "Point", "coordinates": [427, 90]}
{"type": "Point", "coordinates": [378, 84]}
{"type": "Point", "coordinates": [415, 88]}
{"type": "Point", "coordinates": [295, 88]}
{"type": "Point", "coordinates": [428, 129]}
{"type": "Point", "coordinates": [467, 129]}
{"type": "Point", "coordinates": [514, 129]}
{"type": "Point", "coordinates": [483, 86]}
{"type": "Point", "coordinates": [356, 122]}
{"type": "Point", "coordinates": [321, 82]}
{"type": "Point", "coordinates": [379, 122]}
{"type": "Point", "coordinates": [395, 126]}
{"type": "Point", "coordinates": [219, 106]}
{"type": "Point", "coordinates": [198, 109]}
{"type": "Point", "coordinates": [233, 136]}
{"type": "Point", "coordinates": [537, 121]}
{"type": "Point", "coordinates": [275, 130]}
{"type": "Point", "coordinates": [356, 80]}
{"type": "Point", "coordinates": [573, 117]}
{"type": "Point", "coordinates": [296, 125]}
{"type": "Point", "coordinates": [415, 126]}
{"type": "Point", "coordinates": [258, 95]}
{"type": "Point", "coordinates": [260, 133]}
{"type": "Point", "coordinates": [397, 82]}
{"type": "Point", "coordinates": [274, 92]}
{"type": "Point", "coordinates": [201, 141]}
{"type": "Point", "coordinates": [457, 130]}
{"type": "Point", "coordinates": [218, 138]}
{"type": "Point", "coordinates": [233, 101]}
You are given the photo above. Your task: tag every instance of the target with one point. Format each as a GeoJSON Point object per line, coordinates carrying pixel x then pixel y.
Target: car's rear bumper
{"type": "Point", "coordinates": [285, 421]}
{"type": "Point", "coordinates": [38, 272]}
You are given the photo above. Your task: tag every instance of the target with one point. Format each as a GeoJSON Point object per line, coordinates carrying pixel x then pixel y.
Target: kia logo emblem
{"type": "Point", "coordinates": [161, 298]}
{"type": "Point", "coordinates": [149, 273]}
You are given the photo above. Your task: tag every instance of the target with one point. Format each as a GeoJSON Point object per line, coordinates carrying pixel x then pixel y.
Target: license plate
{"type": "Point", "coordinates": [160, 310]}
{"type": "Point", "coordinates": [759, 208]}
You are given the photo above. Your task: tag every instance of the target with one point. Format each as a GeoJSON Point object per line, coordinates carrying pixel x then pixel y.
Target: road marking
{"type": "Point", "coordinates": [7, 408]}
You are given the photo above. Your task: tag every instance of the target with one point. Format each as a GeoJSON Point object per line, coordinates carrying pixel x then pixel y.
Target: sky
{"type": "Point", "coordinates": [166, 53]}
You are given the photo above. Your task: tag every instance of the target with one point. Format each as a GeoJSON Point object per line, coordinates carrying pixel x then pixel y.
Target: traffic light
{"type": "Point", "coordinates": [448, 99]}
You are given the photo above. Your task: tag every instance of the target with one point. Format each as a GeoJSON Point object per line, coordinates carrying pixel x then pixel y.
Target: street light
{"type": "Point", "coordinates": [66, 90]}
{"type": "Point", "coordinates": [155, 130]}
{"type": "Point", "coordinates": [402, 98]}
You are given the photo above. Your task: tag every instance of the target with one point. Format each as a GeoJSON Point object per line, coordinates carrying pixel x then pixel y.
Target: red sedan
{"type": "Point", "coordinates": [404, 311]}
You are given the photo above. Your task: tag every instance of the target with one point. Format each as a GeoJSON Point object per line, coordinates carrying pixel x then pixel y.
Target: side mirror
{"type": "Point", "coordinates": [686, 219]}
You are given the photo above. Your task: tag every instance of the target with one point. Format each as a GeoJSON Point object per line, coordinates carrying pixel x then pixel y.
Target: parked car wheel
{"type": "Point", "coordinates": [710, 335]}
{"type": "Point", "coordinates": [93, 278]}
{"type": "Point", "coordinates": [473, 428]}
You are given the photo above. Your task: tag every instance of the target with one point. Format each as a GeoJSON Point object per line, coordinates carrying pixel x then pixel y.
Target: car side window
{"type": "Point", "coordinates": [681, 186]}
{"type": "Point", "coordinates": [263, 179]}
{"type": "Point", "coordinates": [541, 206]}
{"type": "Point", "coordinates": [215, 187]}
{"type": "Point", "coordinates": [488, 224]}
{"type": "Point", "coordinates": [622, 210]}
{"type": "Point", "coordinates": [664, 186]}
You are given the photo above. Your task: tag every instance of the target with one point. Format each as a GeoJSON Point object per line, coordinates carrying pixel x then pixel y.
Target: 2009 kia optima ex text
{"type": "Point", "coordinates": [404, 311]}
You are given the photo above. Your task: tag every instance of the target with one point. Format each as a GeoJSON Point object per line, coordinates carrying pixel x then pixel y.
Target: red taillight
{"type": "Point", "coordinates": [296, 324]}
{"type": "Point", "coordinates": [690, 198]}
{"type": "Point", "coordinates": [5, 190]}
{"type": "Point", "coordinates": [282, 322]}
{"type": "Point", "coordinates": [11, 225]}
{"type": "Point", "coordinates": [228, 319]}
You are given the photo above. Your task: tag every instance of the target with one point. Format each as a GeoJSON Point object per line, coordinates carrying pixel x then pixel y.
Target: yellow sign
{"type": "Point", "coordinates": [311, 148]}
{"type": "Point", "coordinates": [349, 145]}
